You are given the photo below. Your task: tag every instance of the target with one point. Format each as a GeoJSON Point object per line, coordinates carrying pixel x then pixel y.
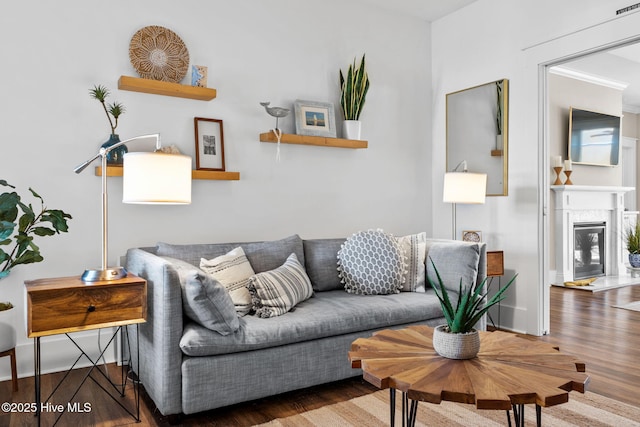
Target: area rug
{"type": "Point", "coordinates": [633, 306]}
{"type": "Point", "coordinates": [589, 409]}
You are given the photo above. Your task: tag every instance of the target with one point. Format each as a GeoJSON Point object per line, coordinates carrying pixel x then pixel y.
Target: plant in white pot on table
{"type": "Point", "coordinates": [632, 237]}
{"type": "Point", "coordinates": [20, 223]}
{"type": "Point", "coordinates": [354, 90]}
{"type": "Point", "coordinates": [459, 339]}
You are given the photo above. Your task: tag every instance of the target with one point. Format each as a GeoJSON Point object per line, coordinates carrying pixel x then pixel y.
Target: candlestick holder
{"type": "Point", "coordinates": [558, 170]}
{"type": "Point", "coordinates": [568, 181]}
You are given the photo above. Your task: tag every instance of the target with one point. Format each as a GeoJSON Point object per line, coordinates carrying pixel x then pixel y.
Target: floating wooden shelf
{"type": "Point", "coordinates": [314, 140]}
{"type": "Point", "coordinates": [158, 87]}
{"type": "Point", "coordinates": [220, 175]}
{"type": "Point", "coordinates": [195, 174]}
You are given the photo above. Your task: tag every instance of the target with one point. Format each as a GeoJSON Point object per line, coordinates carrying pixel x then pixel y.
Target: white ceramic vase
{"type": "Point", "coordinates": [455, 346]}
{"type": "Point", "coordinates": [351, 129]}
{"type": "Point", "coordinates": [8, 316]}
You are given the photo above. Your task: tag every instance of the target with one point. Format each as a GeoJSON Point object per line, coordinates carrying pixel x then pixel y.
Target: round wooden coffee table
{"type": "Point", "coordinates": [508, 372]}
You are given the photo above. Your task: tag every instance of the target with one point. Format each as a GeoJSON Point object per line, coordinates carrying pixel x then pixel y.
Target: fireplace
{"type": "Point", "coordinates": [589, 249]}
{"type": "Point", "coordinates": [595, 207]}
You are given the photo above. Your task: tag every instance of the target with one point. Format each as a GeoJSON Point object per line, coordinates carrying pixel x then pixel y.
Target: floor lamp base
{"type": "Point", "coordinates": [110, 273]}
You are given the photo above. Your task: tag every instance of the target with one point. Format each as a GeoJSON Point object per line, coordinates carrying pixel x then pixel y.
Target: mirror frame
{"type": "Point", "coordinates": [501, 100]}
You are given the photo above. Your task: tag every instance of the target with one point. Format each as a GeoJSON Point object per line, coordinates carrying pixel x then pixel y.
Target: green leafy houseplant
{"type": "Point", "coordinates": [470, 307]}
{"type": "Point", "coordinates": [354, 90]}
{"type": "Point", "coordinates": [20, 223]}
{"type": "Point", "coordinates": [113, 110]}
{"type": "Point", "coordinates": [632, 236]}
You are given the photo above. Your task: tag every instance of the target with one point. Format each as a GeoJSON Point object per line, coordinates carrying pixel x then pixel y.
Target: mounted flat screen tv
{"type": "Point", "coordinates": [594, 138]}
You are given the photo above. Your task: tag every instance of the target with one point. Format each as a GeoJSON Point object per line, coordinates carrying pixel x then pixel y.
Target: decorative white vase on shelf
{"type": "Point", "coordinates": [351, 129]}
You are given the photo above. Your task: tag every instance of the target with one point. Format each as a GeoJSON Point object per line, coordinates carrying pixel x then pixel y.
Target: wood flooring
{"type": "Point", "coordinates": [582, 323]}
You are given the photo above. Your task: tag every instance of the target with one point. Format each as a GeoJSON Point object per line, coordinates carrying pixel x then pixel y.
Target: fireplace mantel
{"type": "Point", "coordinates": [587, 203]}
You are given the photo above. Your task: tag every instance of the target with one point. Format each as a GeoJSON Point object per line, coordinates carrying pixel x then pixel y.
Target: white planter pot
{"type": "Point", "coordinates": [8, 316]}
{"type": "Point", "coordinates": [455, 346]}
{"type": "Point", "coordinates": [7, 329]}
{"type": "Point", "coordinates": [351, 129]}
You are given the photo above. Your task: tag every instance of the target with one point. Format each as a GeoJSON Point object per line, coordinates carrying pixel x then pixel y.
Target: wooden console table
{"type": "Point", "coordinates": [508, 372]}
{"type": "Point", "coordinates": [62, 305]}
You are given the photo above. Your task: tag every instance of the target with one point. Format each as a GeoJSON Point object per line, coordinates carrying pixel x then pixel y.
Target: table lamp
{"type": "Point", "coordinates": [148, 178]}
{"type": "Point", "coordinates": [463, 187]}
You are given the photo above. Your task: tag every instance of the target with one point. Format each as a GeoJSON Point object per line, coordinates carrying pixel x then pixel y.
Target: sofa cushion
{"type": "Point", "coordinates": [205, 300]}
{"type": "Point", "coordinates": [277, 291]}
{"type": "Point", "coordinates": [321, 258]}
{"type": "Point", "coordinates": [233, 270]}
{"type": "Point", "coordinates": [414, 248]}
{"type": "Point", "coordinates": [327, 314]}
{"type": "Point", "coordinates": [263, 256]}
{"type": "Point", "coordinates": [371, 263]}
{"type": "Point", "coordinates": [454, 260]}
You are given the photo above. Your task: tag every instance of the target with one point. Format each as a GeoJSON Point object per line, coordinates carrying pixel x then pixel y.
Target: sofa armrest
{"type": "Point", "coordinates": [160, 354]}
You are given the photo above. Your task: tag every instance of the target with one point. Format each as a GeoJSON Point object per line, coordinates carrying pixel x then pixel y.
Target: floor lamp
{"type": "Point", "coordinates": [463, 187]}
{"type": "Point", "coordinates": [148, 178]}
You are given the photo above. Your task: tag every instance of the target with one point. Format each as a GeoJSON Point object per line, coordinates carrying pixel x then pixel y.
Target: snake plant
{"type": "Point", "coordinates": [354, 90]}
{"type": "Point", "coordinates": [469, 308]}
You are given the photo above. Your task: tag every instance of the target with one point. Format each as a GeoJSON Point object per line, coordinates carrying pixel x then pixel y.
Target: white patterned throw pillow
{"type": "Point", "coordinates": [414, 247]}
{"type": "Point", "coordinates": [277, 291]}
{"type": "Point", "coordinates": [371, 263]}
{"type": "Point", "coordinates": [233, 271]}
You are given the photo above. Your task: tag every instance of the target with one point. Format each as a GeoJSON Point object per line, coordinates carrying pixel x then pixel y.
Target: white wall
{"type": "Point", "coordinates": [493, 39]}
{"type": "Point", "coordinates": [256, 50]}
{"type": "Point", "coordinates": [565, 92]}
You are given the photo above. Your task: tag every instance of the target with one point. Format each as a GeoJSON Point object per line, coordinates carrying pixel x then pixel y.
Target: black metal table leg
{"type": "Point", "coordinates": [94, 366]}
{"type": "Point", "coordinates": [411, 422]}
{"type": "Point", "coordinates": [36, 375]}
{"type": "Point", "coordinates": [392, 407]}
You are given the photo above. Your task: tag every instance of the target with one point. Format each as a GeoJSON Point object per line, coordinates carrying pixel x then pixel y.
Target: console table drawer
{"type": "Point", "coordinates": [63, 305]}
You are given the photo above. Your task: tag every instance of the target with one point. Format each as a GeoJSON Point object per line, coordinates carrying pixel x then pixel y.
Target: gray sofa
{"type": "Point", "coordinates": [186, 367]}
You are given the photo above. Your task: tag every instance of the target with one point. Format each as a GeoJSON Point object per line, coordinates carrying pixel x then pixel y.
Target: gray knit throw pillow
{"type": "Point", "coordinates": [371, 263]}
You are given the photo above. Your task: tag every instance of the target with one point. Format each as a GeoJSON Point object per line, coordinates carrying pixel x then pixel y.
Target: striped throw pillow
{"type": "Point", "coordinates": [277, 291]}
{"type": "Point", "coordinates": [233, 271]}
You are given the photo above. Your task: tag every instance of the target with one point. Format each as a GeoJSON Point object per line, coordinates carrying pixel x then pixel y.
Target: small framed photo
{"type": "Point", "coordinates": [474, 236]}
{"type": "Point", "coordinates": [315, 118]}
{"type": "Point", "coordinates": [209, 144]}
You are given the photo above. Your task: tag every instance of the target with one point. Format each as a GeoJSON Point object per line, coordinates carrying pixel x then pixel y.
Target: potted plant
{"type": "Point", "coordinates": [459, 339]}
{"type": "Point", "coordinates": [354, 90]}
{"type": "Point", "coordinates": [20, 223]}
{"type": "Point", "coordinates": [632, 237]}
{"type": "Point", "coordinates": [113, 112]}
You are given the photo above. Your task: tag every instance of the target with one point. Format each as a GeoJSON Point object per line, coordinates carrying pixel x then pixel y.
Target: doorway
{"type": "Point", "coordinates": [583, 51]}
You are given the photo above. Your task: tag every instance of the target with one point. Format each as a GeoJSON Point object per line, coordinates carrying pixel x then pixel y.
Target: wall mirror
{"type": "Point", "coordinates": [477, 132]}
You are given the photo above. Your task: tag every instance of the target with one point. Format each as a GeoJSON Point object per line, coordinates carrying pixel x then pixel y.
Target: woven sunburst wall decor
{"type": "Point", "coordinates": [158, 53]}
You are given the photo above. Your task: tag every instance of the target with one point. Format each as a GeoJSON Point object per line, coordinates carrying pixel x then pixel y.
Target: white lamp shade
{"type": "Point", "coordinates": [156, 178]}
{"type": "Point", "coordinates": [464, 187]}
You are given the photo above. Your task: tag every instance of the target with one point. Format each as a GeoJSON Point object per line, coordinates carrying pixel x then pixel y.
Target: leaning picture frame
{"type": "Point", "coordinates": [209, 144]}
{"type": "Point", "coordinates": [315, 118]}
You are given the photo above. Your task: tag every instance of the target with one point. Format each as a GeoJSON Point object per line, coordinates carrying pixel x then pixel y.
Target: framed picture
{"type": "Point", "coordinates": [315, 118]}
{"type": "Point", "coordinates": [474, 236]}
{"type": "Point", "coordinates": [209, 144]}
